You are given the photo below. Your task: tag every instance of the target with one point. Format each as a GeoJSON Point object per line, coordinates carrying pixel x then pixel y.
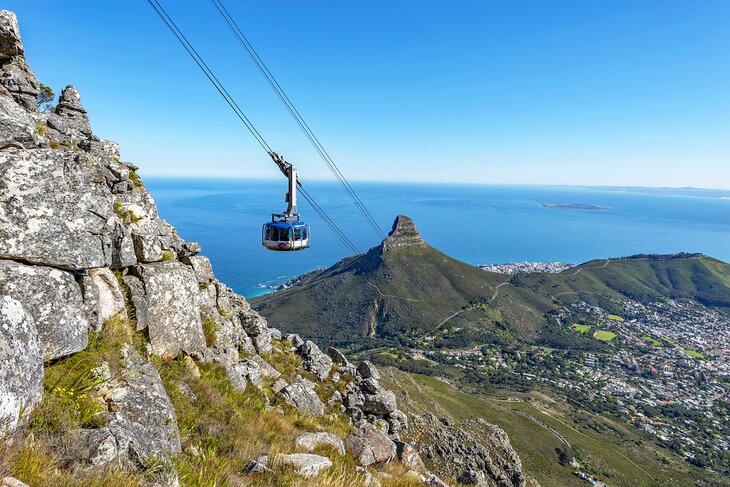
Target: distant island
{"type": "Point", "coordinates": [574, 206]}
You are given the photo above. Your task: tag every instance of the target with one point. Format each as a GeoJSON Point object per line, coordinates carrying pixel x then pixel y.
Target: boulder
{"type": "Point", "coordinates": [144, 425]}
{"type": "Point", "coordinates": [21, 363]}
{"type": "Point", "coordinates": [368, 479]}
{"type": "Point", "coordinates": [147, 248]}
{"type": "Point", "coordinates": [303, 398]}
{"type": "Point", "coordinates": [201, 266]}
{"type": "Point", "coordinates": [70, 109]}
{"type": "Point", "coordinates": [12, 482]}
{"type": "Point", "coordinates": [138, 300]}
{"type": "Point", "coordinates": [262, 342]}
{"type": "Point", "coordinates": [54, 209]}
{"type": "Point", "coordinates": [306, 464]}
{"type": "Point", "coordinates": [295, 340]}
{"type": "Point", "coordinates": [474, 477]}
{"type": "Point", "coordinates": [15, 74]}
{"type": "Point", "coordinates": [337, 356]}
{"type": "Point", "coordinates": [369, 446]}
{"type": "Point", "coordinates": [409, 457]}
{"type": "Point", "coordinates": [267, 370]}
{"type": "Point", "coordinates": [435, 481]}
{"type": "Point", "coordinates": [122, 246]}
{"type": "Point", "coordinates": [53, 299]}
{"type": "Point", "coordinates": [367, 370]}
{"type": "Point", "coordinates": [314, 360]}
{"type": "Point", "coordinates": [102, 295]}
{"type": "Point", "coordinates": [310, 441]}
{"type": "Point", "coordinates": [173, 311]}
{"type": "Point", "coordinates": [16, 124]}
{"type": "Point", "coordinates": [381, 403]}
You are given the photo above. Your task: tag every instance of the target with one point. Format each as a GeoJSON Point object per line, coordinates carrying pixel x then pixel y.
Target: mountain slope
{"type": "Point", "coordinates": [690, 276]}
{"type": "Point", "coordinates": [404, 285]}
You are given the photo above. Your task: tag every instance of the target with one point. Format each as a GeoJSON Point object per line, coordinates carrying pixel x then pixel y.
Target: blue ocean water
{"type": "Point", "coordinates": [477, 224]}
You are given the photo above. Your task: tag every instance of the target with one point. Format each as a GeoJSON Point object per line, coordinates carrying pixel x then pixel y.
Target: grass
{"type": "Point", "coordinates": [167, 256]}
{"type": "Point", "coordinates": [604, 336]}
{"type": "Point", "coordinates": [55, 145]}
{"type": "Point", "coordinates": [694, 354]}
{"type": "Point", "coordinates": [128, 216]}
{"type": "Point", "coordinates": [651, 340]}
{"type": "Point", "coordinates": [136, 180]}
{"type": "Point", "coordinates": [581, 328]}
{"type": "Point", "coordinates": [41, 128]}
{"type": "Point", "coordinates": [210, 330]}
{"type": "Point", "coordinates": [615, 318]}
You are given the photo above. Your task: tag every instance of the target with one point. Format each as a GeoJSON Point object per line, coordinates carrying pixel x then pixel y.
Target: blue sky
{"type": "Point", "coordinates": [514, 92]}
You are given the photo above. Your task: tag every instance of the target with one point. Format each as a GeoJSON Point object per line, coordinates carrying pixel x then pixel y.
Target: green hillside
{"type": "Point", "coordinates": [382, 294]}
{"type": "Point", "coordinates": [604, 447]}
{"type": "Point", "coordinates": [692, 276]}
{"type": "Point", "coordinates": [404, 291]}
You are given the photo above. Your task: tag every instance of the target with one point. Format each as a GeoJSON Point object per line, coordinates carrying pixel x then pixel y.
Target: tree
{"type": "Point", "coordinates": [45, 99]}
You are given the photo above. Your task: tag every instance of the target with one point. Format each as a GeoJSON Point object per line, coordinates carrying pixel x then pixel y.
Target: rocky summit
{"type": "Point", "coordinates": [125, 361]}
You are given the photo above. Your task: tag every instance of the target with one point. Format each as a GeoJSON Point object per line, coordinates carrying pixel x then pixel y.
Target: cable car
{"type": "Point", "coordinates": [285, 232]}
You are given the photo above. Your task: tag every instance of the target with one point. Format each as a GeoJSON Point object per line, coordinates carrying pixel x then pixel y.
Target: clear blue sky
{"type": "Point", "coordinates": [582, 92]}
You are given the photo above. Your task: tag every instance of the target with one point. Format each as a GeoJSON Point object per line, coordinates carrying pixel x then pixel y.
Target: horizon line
{"type": "Point", "coordinates": [436, 183]}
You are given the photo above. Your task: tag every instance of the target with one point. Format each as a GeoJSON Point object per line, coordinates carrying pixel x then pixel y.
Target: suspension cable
{"type": "Point", "coordinates": [306, 129]}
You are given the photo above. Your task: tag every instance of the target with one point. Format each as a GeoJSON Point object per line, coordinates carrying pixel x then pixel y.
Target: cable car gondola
{"type": "Point", "coordinates": [285, 232]}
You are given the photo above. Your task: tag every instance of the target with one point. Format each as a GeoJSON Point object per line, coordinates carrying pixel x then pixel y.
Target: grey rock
{"type": "Point", "coordinates": [474, 477]}
{"type": "Point", "coordinates": [267, 370]}
{"type": "Point", "coordinates": [69, 107]}
{"type": "Point", "coordinates": [138, 300]}
{"type": "Point", "coordinates": [201, 266]}
{"type": "Point", "coordinates": [147, 247]}
{"type": "Point", "coordinates": [279, 384]}
{"type": "Point", "coordinates": [251, 370]}
{"type": "Point", "coordinates": [369, 446]}
{"type": "Point", "coordinates": [397, 421]}
{"type": "Point", "coordinates": [252, 322]}
{"type": "Point", "coordinates": [306, 464]}
{"type": "Point", "coordinates": [12, 482]}
{"type": "Point", "coordinates": [403, 234]}
{"type": "Point", "coordinates": [295, 340]}
{"type": "Point", "coordinates": [95, 447]}
{"type": "Point", "coordinates": [53, 299]}
{"type": "Point", "coordinates": [314, 360]}
{"type": "Point", "coordinates": [337, 356]}
{"type": "Point", "coordinates": [435, 481]}
{"type": "Point", "coordinates": [367, 370]}
{"type": "Point", "coordinates": [122, 246]}
{"type": "Point", "coordinates": [369, 386]}
{"type": "Point", "coordinates": [103, 298]}
{"type": "Point", "coordinates": [382, 402]}
{"type": "Point", "coordinates": [310, 441]}
{"type": "Point", "coordinates": [15, 74]}
{"type": "Point", "coordinates": [275, 333]}
{"type": "Point", "coordinates": [16, 125]}
{"type": "Point", "coordinates": [368, 479]}
{"type": "Point", "coordinates": [54, 209]}
{"type": "Point", "coordinates": [303, 398]}
{"type": "Point", "coordinates": [146, 419]}
{"type": "Point", "coordinates": [173, 311]}
{"type": "Point", "coordinates": [21, 363]}
{"type": "Point", "coordinates": [262, 343]}
{"type": "Point", "coordinates": [409, 457]}
{"type": "Point", "coordinates": [257, 466]}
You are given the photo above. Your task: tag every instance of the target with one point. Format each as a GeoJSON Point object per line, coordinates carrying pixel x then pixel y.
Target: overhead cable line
{"type": "Point", "coordinates": [183, 40]}
{"type": "Point", "coordinates": [266, 73]}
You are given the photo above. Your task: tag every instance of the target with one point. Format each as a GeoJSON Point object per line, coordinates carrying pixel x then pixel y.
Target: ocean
{"type": "Point", "coordinates": [478, 224]}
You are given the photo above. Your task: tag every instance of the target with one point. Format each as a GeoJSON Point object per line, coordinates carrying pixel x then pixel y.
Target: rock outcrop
{"type": "Point", "coordinates": [403, 234]}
